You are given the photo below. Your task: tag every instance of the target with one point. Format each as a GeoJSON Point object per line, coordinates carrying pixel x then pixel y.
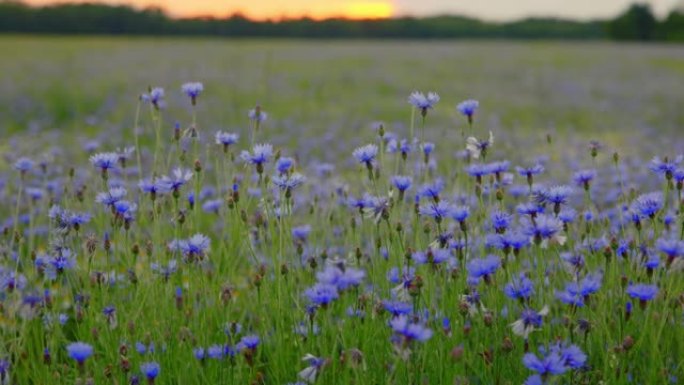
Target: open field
{"type": "Point", "coordinates": [141, 242]}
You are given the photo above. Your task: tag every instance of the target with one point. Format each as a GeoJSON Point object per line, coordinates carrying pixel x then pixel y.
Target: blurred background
{"type": "Point", "coordinates": [326, 70]}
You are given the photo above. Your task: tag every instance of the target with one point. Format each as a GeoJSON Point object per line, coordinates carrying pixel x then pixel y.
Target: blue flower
{"type": "Point", "coordinates": [111, 197]}
{"type": "Point", "coordinates": [150, 370]}
{"type": "Point", "coordinates": [460, 213]}
{"type": "Point", "coordinates": [665, 166]}
{"type": "Point", "coordinates": [256, 114]}
{"type": "Point", "coordinates": [199, 353]}
{"type": "Point", "coordinates": [500, 221]}
{"type": "Point", "coordinates": [284, 165]}
{"type": "Point", "coordinates": [642, 292]}
{"type": "Point", "coordinates": [551, 364]}
{"type": "Point", "coordinates": [301, 233]}
{"type": "Point", "coordinates": [215, 352]}
{"type": "Point", "coordinates": [530, 171]}
{"type": "Point", "coordinates": [432, 190]}
{"type": "Point", "coordinates": [401, 182]}
{"type": "Point", "coordinates": [520, 288]}
{"type": "Point", "coordinates": [583, 178]}
{"type": "Point", "coordinates": [79, 351]}
{"type": "Point", "coordinates": [178, 179]}
{"type": "Point", "coordinates": [478, 170]}
{"type": "Point", "coordinates": [288, 182]}
{"type": "Point", "coordinates": [341, 279]}
{"type": "Point", "coordinates": [468, 107]}
{"type": "Point", "coordinates": [366, 154]}
{"type": "Point", "coordinates": [647, 205]}
{"type": "Point", "coordinates": [398, 308]}
{"type": "Point", "coordinates": [438, 211]}
{"type": "Point", "coordinates": [193, 90]}
{"type": "Point", "coordinates": [249, 342]}
{"type": "Point", "coordinates": [543, 228]}
{"type": "Point", "coordinates": [410, 331]}
{"type": "Point", "coordinates": [483, 267]}
{"type": "Point", "coordinates": [261, 153]}
{"type": "Point", "coordinates": [321, 294]}
{"type": "Point", "coordinates": [226, 138]}
{"type": "Point", "coordinates": [422, 102]}
{"type": "Point", "coordinates": [558, 195]}
{"type": "Point", "coordinates": [105, 160]}
{"type": "Point", "coordinates": [24, 165]}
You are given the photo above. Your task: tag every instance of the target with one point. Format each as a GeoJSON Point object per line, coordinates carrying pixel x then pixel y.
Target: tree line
{"type": "Point", "coordinates": [635, 23]}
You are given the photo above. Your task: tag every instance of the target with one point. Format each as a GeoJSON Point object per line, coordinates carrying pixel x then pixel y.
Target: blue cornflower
{"type": "Point", "coordinates": [4, 369]}
{"type": "Point", "coordinates": [301, 233]}
{"type": "Point", "coordinates": [79, 351]}
{"type": "Point", "coordinates": [341, 279]}
{"type": "Point", "coordinates": [125, 209]}
{"type": "Point", "coordinates": [150, 370]}
{"type": "Point", "coordinates": [500, 221]}
{"type": "Point", "coordinates": [567, 215]}
{"type": "Point", "coordinates": [499, 167]}
{"type": "Point", "coordinates": [199, 353]}
{"type": "Point", "coordinates": [433, 257]}
{"type": "Point", "coordinates": [432, 190]}
{"type": "Point", "coordinates": [156, 97]}
{"type": "Point", "coordinates": [212, 206]}
{"type": "Point", "coordinates": [520, 288]}
{"type": "Point", "coordinates": [642, 292]}
{"type": "Point", "coordinates": [558, 195]}
{"type": "Point", "coordinates": [401, 183]}
{"type": "Point", "coordinates": [438, 210]}
{"type": "Point", "coordinates": [290, 182]}
{"type": "Point", "coordinates": [111, 197]}
{"type": "Point", "coordinates": [427, 148]}
{"type": "Point", "coordinates": [408, 331]}
{"type": "Point", "coordinates": [261, 153]}
{"type": "Point", "coordinates": [679, 176]}
{"type": "Point", "coordinates": [105, 161]}
{"type": "Point", "coordinates": [257, 114]}
{"type": "Point", "coordinates": [544, 228]}
{"type": "Point", "coordinates": [665, 166]}
{"type": "Point", "coordinates": [284, 165]}
{"type": "Point", "coordinates": [153, 187]}
{"type": "Point", "coordinates": [460, 213]}
{"type": "Point", "coordinates": [647, 205]}
{"type": "Point", "coordinates": [397, 308]}
{"type": "Point", "coordinates": [366, 154]}
{"type": "Point", "coordinates": [250, 342]}
{"type": "Point", "coordinates": [673, 248]}
{"type": "Point", "coordinates": [583, 178]}
{"type": "Point", "coordinates": [194, 248]}
{"type": "Point", "coordinates": [215, 352]}
{"type": "Point", "coordinates": [529, 208]}
{"type": "Point", "coordinates": [321, 294]}
{"type": "Point", "coordinates": [551, 364]}
{"type": "Point", "coordinates": [24, 165]}
{"type": "Point", "coordinates": [529, 321]}
{"type": "Point", "coordinates": [226, 139]}
{"type": "Point", "coordinates": [483, 267]}
{"type": "Point", "coordinates": [422, 102]}
{"type": "Point", "coordinates": [571, 295]}
{"type": "Point", "coordinates": [478, 170]}
{"type": "Point", "coordinates": [310, 373]}
{"type": "Point", "coordinates": [193, 90]}
{"type": "Point", "coordinates": [572, 356]}
{"type": "Point", "coordinates": [178, 179]}
{"type": "Point", "coordinates": [530, 171]}
{"type": "Point", "coordinates": [468, 108]}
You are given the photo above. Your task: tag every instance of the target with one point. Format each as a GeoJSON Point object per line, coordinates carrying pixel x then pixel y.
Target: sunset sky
{"type": "Point", "coordinates": [485, 9]}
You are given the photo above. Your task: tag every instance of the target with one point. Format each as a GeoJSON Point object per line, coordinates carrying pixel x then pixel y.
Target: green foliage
{"type": "Point", "coordinates": [637, 23]}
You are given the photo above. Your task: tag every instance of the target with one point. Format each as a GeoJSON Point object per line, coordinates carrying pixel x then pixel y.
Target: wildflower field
{"type": "Point", "coordinates": [339, 212]}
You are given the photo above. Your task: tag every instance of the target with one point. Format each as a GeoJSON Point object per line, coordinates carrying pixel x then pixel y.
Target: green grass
{"type": "Point", "coordinates": [322, 97]}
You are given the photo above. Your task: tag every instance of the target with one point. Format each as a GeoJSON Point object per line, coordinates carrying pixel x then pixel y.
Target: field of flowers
{"type": "Point", "coordinates": [254, 212]}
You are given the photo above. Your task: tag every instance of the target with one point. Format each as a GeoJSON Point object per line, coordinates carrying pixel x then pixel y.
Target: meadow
{"type": "Point", "coordinates": [198, 211]}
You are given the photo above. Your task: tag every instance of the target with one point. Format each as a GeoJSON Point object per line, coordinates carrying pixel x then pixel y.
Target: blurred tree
{"type": "Point", "coordinates": [637, 23]}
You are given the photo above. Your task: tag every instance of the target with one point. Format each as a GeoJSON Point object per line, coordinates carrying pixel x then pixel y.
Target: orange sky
{"type": "Point", "coordinates": [486, 9]}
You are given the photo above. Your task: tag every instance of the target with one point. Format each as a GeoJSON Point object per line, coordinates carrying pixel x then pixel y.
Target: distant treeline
{"type": "Point", "coordinates": [636, 23]}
